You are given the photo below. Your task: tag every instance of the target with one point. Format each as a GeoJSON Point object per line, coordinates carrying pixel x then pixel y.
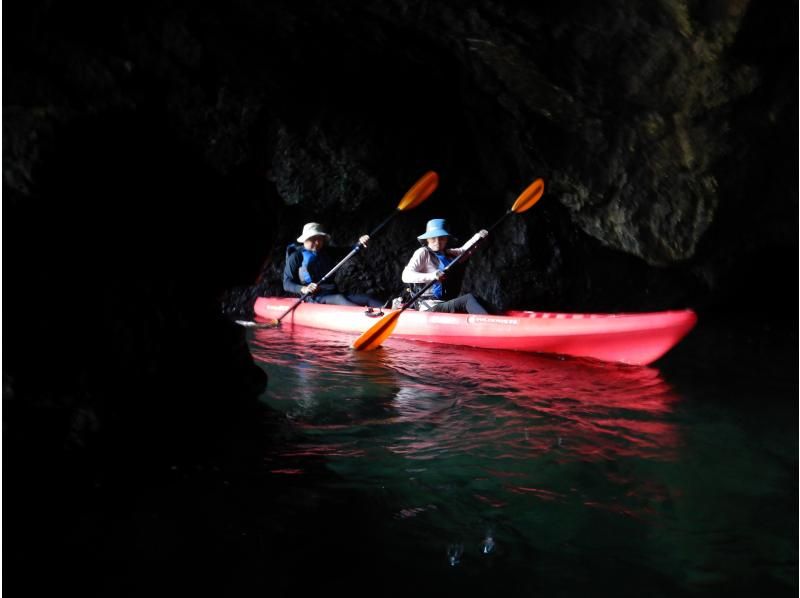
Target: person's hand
{"type": "Point", "coordinates": [363, 239]}
{"type": "Point", "coordinates": [310, 289]}
{"type": "Point", "coordinates": [440, 275]}
{"type": "Point", "coordinates": [483, 233]}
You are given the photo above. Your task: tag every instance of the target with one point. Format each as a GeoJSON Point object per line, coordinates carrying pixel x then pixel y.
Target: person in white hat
{"type": "Point", "coordinates": [310, 260]}
{"type": "Point", "coordinates": [428, 264]}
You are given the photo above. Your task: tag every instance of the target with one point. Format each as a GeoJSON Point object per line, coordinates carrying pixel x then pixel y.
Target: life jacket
{"type": "Point", "coordinates": [291, 248]}
{"type": "Point", "coordinates": [312, 267]}
{"type": "Point", "coordinates": [309, 257]}
{"type": "Point", "coordinates": [438, 287]}
{"type": "Point", "coordinates": [441, 290]}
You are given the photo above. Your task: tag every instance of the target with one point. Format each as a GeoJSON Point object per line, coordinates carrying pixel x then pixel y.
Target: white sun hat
{"type": "Point", "coordinates": [312, 229]}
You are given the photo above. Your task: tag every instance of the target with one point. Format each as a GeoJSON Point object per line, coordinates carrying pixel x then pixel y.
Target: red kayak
{"type": "Point", "coordinates": [633, 338]}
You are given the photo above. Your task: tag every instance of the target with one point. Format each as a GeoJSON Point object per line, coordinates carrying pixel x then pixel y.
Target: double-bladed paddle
{"type": "Point", "coordinates": [380, 331]}
{"type": "Point", "coordinates": [418, 193]}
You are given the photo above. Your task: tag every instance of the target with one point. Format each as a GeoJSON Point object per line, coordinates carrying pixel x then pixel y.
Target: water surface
{"type": "Point", "coordinates": [497, 471]}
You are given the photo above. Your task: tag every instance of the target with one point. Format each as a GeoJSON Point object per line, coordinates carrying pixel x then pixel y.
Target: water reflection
{"type": "Point", "coordinates": [496, 406]}
{"type": "Point", "coordinates": [462, 436]}
{"type": "Point", "coordinates": [521, 470]}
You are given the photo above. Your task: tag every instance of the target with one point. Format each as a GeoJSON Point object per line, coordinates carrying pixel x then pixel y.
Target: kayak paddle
{"type": "Point", "coordinates": [418, 193]}
{"type": "Point", "coordinates": [380, 331]}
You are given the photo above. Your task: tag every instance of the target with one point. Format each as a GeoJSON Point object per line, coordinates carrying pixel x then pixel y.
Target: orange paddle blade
{"type": "Point", "coordinates": [420, 191]}
{"type": "Point", "coordinates": [529, 197]}
{"type": "Point", "coordinates": [379, 332]}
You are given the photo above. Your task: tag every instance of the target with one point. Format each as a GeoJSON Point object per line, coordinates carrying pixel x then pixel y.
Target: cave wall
{"type": "Point", "coordinates": [655, 126]}
{"type": "Point", "coordinates": [158, 156]}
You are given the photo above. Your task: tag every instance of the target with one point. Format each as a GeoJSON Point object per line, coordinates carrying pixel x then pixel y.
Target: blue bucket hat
{"type": "Point", "coordinates": [435, 228]}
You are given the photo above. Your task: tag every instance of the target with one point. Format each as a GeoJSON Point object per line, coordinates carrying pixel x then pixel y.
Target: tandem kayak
{"type": "Point", "coordinates": [632, 338]}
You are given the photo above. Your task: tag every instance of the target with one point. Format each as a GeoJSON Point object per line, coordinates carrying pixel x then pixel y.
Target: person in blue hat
{"type": "Point", "coordinates": [428, 264]}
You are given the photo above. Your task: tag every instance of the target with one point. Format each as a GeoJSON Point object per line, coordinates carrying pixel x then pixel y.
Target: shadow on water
{"type": "Point", "coordinates": [517, 472]}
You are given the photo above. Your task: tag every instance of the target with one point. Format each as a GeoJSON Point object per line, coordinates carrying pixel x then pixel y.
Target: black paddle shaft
{"type": "Point", "coordinates": [356, 248]}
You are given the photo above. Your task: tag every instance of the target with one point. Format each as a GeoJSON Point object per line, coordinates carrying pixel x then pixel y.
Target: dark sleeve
{"type": "Point", "coordinates": [291, 275]}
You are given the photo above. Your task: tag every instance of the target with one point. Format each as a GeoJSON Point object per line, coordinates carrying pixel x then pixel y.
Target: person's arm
{"type": "Point", "coordinates": [416, 271]}
{"type": "Point", "coordinates": [481, 234]}
{"type": "Point", "coordinates": [290, 275]}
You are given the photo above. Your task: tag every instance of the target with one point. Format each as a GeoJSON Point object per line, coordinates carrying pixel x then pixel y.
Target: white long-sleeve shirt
{"type": "Point", "coordinates": [423, 265]}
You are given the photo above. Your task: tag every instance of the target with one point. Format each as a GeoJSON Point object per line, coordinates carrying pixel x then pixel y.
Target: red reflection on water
{"type": "Point", "coordinates": [503, 406]}
{"type": "Point", "coordinates": [540, 493]}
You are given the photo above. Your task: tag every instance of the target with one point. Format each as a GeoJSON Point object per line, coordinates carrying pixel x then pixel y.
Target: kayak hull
{"type": "Point", "coordinates": [632, 338]}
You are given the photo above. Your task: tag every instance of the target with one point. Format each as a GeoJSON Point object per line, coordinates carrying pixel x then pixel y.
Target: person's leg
{"type": "Point", "coordinates": [448, 307]}
{"type": "Point", "coordinates": [474, 306]}
{"type": "Point", "coordinates": [465, 304]}
{"type": "Point", "coordinates": [335, 299]}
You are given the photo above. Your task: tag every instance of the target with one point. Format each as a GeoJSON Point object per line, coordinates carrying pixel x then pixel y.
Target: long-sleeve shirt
{"type": "Point", "coordinates": [423, 265]}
